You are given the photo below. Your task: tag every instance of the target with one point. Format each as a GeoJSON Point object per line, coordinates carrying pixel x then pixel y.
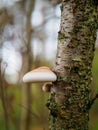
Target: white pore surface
{"type": "Point", "coordinates": [39, 77]}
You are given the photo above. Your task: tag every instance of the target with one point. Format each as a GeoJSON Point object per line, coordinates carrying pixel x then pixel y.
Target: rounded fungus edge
{"type": "Point", "coordinates": [41, 74]}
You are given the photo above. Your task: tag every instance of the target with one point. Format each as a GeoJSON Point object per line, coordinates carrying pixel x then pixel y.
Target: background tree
{"type": "Point", "coordinates": [15, 30]}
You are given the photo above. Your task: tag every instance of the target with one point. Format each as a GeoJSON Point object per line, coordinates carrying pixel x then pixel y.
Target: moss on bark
{"type": "Point", "coordinates": [69, 105]}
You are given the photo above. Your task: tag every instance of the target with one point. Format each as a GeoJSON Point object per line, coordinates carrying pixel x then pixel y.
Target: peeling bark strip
{"type": "Point", "coordinates": [69, 104]}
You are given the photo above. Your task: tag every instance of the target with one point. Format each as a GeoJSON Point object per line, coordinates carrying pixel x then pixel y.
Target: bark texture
{"type": "Point", "coordinates": [70, 101]}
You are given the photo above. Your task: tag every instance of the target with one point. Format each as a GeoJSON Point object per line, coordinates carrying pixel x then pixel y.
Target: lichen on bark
{"type": "Point", "coordinates": [69, 104]}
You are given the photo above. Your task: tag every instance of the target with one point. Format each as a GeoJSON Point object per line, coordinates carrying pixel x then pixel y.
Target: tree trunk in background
{"type": "Point", "coordinates": [70, 101]}
{"type": "Point", "coordinates": [18, 17]}
{"type": "Point", "coordinates": [4, 19]}
{"type": "Point", "coordinates": [27, 62]}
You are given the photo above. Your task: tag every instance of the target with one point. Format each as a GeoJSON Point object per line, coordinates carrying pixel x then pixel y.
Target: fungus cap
{"type": "Point", "coordinates": [41, 74]}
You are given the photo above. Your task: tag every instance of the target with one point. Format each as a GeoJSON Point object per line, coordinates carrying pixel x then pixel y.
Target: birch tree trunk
{"type": "Point", "coordinates": [70, 101]}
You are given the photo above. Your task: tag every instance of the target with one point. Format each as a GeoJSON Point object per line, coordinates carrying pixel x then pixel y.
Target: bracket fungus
{"type": "Point", "coordinates": [41, 74]}
{"type": "Point", "coordinates": [47, 87]}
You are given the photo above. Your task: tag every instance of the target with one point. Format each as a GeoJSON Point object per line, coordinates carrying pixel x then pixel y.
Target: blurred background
{"type": "Point", "coordinates": [28, 39]}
